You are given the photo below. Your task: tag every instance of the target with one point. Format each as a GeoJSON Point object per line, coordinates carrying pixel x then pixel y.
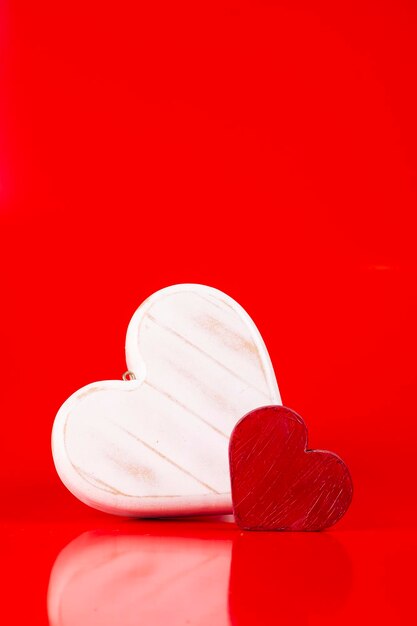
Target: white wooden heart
{"type": "Point", "coordinates": [158, 445]}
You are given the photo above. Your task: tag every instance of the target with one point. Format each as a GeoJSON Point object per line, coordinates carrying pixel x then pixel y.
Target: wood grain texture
{"type": "Point", "coordinates": [158, 445]}
{"type": "Point", "coordinates": [277, 484]}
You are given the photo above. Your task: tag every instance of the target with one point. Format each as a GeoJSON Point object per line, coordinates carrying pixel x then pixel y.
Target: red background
{"type": "Point", "coordinates": [263, 148]}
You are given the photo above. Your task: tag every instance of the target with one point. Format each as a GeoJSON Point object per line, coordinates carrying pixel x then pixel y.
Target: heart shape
{"type": "Point", "coordinates": [277, 484]}
{"type": "Point", "coordinates": [158, 445]}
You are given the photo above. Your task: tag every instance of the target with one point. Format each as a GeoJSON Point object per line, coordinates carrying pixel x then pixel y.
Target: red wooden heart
{"type": "Point", "coordinates": [277, 484]}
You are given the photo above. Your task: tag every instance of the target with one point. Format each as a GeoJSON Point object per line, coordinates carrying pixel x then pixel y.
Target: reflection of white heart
{"type": "Point", "coordinates": [158, 445]}
{"type": "Point", "coordinates": [102, 579]}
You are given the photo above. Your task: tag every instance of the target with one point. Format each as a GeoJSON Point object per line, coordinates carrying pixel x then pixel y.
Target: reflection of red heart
{"type": "Point", "coordinates": [277, 484]}
{"type": "Point", "coordinates": [288, 578]}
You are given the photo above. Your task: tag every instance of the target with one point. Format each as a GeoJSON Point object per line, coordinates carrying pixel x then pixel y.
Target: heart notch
{"type": "Point", "coordinates": [277, 483]}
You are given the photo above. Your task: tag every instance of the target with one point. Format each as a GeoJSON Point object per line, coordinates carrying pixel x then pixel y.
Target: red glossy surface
{"type": "Point", "coordinates": [264, 148]}
{"type": "Point", "coordinates": [277, 484]}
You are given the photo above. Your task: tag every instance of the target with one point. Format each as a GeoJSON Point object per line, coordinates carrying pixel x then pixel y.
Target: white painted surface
{"type": "Point", "coordinates": [158, 445]}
